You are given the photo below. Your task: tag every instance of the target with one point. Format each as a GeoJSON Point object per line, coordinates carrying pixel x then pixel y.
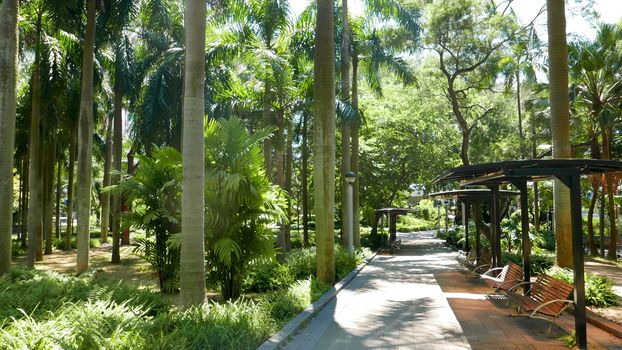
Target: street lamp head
{"type": "Point", "coordinates": [350, 177]}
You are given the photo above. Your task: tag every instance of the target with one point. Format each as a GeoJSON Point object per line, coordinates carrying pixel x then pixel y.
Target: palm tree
{"type": "Point", "coordinates": [192, 269]}
{"type": "Point", "coordinates": [324, 141]}
{"type": "Point", "coordinates": [8, 81]}
{"type": "Point", "coordinates": [560, 124]}
{"type": "Point", "coordinates": [85, 142]}
{"type": "Point", "coordinates": [345, 126]}
{"type": "Point", "coordinates": [239, 202]}
{"type": "Point", "coordinates": [595, 66]}
{"type": "Point", "coordinates": [369, 54]}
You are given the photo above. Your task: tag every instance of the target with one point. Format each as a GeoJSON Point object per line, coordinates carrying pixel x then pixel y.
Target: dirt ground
{"type": "Point", "coordinates": [132, 269]}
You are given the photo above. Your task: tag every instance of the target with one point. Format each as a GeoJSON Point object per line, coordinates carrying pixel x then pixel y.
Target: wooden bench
{"type": "Point", "coordinates": [503, 278]}
{"type": "Point", "coordinates": [548, 297]}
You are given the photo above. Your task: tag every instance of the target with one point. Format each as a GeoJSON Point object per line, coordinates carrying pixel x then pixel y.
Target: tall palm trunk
{"type": "Point", "coordinates": [560, 124]}
{"type": "Point", "coordinates": [536, 194]}
{"type": "Point", "coordinates": [117, 155]}
{"type": "Point", "coordinates": [35, 201]}
{"type": "Point", "coordinates": [304, 179]}
{"type": "Point", "coordinates": [354, 159]}
{"type": "Point", "coordinates": [609, 184]}
{"type": "Point", "coordinates": [289, 170]}
{"type": "Point", "coordinates": [280, 149]}
{"type": "Point", "coordinates": [70, 175]}
{"type": "Point", "coordinates": [267, 119]}
{"type": "Point", "coordinates": [345, 127]}
{"type": "Point", "coordinates": [324, 141]}
{"type": "Point", "coordinates": [8, 81]}
{"type": "Point", "coordinates": [26, 190]}
{"type": "Point", "coordinates": [590, 224]}
{"type": "Point", "coordinates": [48, 195]}
{"type": "Point", "coordinates": [192, 269]}
{"type": "Point", "coordinates": [601, 223]}
{"type": "Point", "coordinates": [85, 142]}
{"type": "Point", "coordinates": [59, 193]}
{"type": "Point", "coordinates": [105, 214]}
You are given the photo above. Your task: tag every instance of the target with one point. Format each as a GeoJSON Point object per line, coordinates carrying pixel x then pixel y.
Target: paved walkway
{"type": "Point", "coordinates": [420, 299]}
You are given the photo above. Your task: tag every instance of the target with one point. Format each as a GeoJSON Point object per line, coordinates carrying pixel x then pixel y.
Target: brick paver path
{"type": "Point", "coordinates": [419, 298]}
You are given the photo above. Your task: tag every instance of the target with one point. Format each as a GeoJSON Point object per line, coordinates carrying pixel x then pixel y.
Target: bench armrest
{"type": "Point", "coordinates": [488, 273]}
{"type": "Point", "coordinates": [568, 303]}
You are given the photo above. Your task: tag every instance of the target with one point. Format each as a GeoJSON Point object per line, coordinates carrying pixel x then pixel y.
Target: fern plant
{"type": "Point", "coordinates": [240, 203]}
{"type": "Point", "coordinates": [155, 190]}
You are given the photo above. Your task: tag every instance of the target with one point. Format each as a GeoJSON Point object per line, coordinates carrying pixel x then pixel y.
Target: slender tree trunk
{"type": "Point", "coordinates": [536, 194]}
{"type": "Point", "coordinates": [520, 115]}
{"type": "Point", "coordinates": [126, 206]}
{"type": "Point", "coordinates": [35, 203]}
{"type": "Point", "coordinates": [70, 180]}
{"type": "Point", "coordinates": [48, 217]}
{"type": "Point", "coordinates": [304, 172]}
{"type": "Point", "coordinates": [8, 81]}
{"type": "Point", "coordinates": [289, 164]}
{"type": "Point", "coordinates": [192, 270]}
{"type": "Point", "coordinates": [279, 139]}
{"type": "Point", "coordinates": [609, 183]}
{"type": "Point", "coordinates": [354, 159]}
{"type": "Point", "coordinates": [24, 236]}
{"type": "Point", "coordinates": [85, 142]}
{"type": "Point", "coordinates": [345, 126]}
{"type": "Point", "coordinates": [590, 224]}
{"type": "Point", "coordinates": [117, 146]}
{"type": "Point", "coordinates": [560, 124]}
{"type": "Point", "coordinates": [267, 119]}
{"type": "Point", "coordinates": [20, 200]}
{"type": "Point", "coordinates": [105, 215]}
{"type": "Point", "coordinates": [601, 223]}
{"type": "Point", "coordinates": [42, 195]}
{"type": "Point", "coordinates": [59, 193]}
{"type": "Point", "coordinates": [324, 141]}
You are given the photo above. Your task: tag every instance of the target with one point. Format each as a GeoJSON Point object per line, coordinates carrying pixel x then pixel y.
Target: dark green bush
{"type": "Point", "coordinates": [267, 275]}
{"type": "Point", "coordinates": [374, 242]}
{"type": "Point", "coordinates": [598, 289]}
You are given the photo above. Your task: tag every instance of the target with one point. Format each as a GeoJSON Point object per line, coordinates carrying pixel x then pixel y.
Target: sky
{"type": "Point", "coordinates": [610, 11]}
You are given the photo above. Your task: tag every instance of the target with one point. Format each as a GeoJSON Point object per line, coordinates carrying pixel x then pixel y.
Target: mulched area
{"type": "Point", "coordinates": [487, 324]}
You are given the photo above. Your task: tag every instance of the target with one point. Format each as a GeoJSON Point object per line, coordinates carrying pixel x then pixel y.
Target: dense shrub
{"type": "Point", "coordinates": [267, 275]}
{"type": "Point", "coordinates": [301, 262]}
{"type": "Point", "coordinates": [598, 289]}
{"type": "Point", "coordinates": [374, 242]}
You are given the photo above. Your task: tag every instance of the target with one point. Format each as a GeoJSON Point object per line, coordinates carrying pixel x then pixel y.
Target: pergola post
{"type": "Point", "coordinates": [524, 212]}
{"type": "Point", "coordinates": [495, 229]}
{"type": "Point", "coordinates": [465, 222]}
{"type": "Point", "coordinates": [574, 184]}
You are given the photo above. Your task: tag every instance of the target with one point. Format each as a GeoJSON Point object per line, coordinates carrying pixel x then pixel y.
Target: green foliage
{"type": "Point", "coordinates": [409, 223]}
{"type": "Point", "coordinates": [239, 324]}
{"type": "Point", "coordinates": [41, 310]}
{"type": "Point", "coordinates": [374, 242]}
{"type": "Point", "coordinates": [301, 262]}
{"type": "Point", "coordinates": [155, 189]}
{"type": "Point", "coordinates": [59, 243]}
{"type": "Point", "coordinates": [267, 275]}
{"type": "Point", "coordinates": [240, 202]}
{"type": "Point", "coordinates": [598, 289]}
{"type": "Point", "coordinates": [539, 263]}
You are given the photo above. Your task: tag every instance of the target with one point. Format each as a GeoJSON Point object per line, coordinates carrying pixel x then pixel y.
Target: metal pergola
{"type": "Point", "coordinates": [466, 196]}
{"type": "Point", "coordinates": [518, 172]}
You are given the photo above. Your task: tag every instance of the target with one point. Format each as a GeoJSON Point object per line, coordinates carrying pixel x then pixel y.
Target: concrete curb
{"type": "Point", "coordinates": [289, 330]}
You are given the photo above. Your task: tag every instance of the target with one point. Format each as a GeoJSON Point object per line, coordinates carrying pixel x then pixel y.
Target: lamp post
{"type": "Point", "coordinates": [350, 177]}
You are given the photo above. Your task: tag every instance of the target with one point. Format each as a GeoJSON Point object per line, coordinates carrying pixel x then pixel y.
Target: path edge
{"type": "Point", "coordinates": [287, 332]}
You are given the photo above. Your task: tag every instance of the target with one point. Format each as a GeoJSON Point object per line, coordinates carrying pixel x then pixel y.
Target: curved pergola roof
{"type": "Point", "coordinates": [472, 193]}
